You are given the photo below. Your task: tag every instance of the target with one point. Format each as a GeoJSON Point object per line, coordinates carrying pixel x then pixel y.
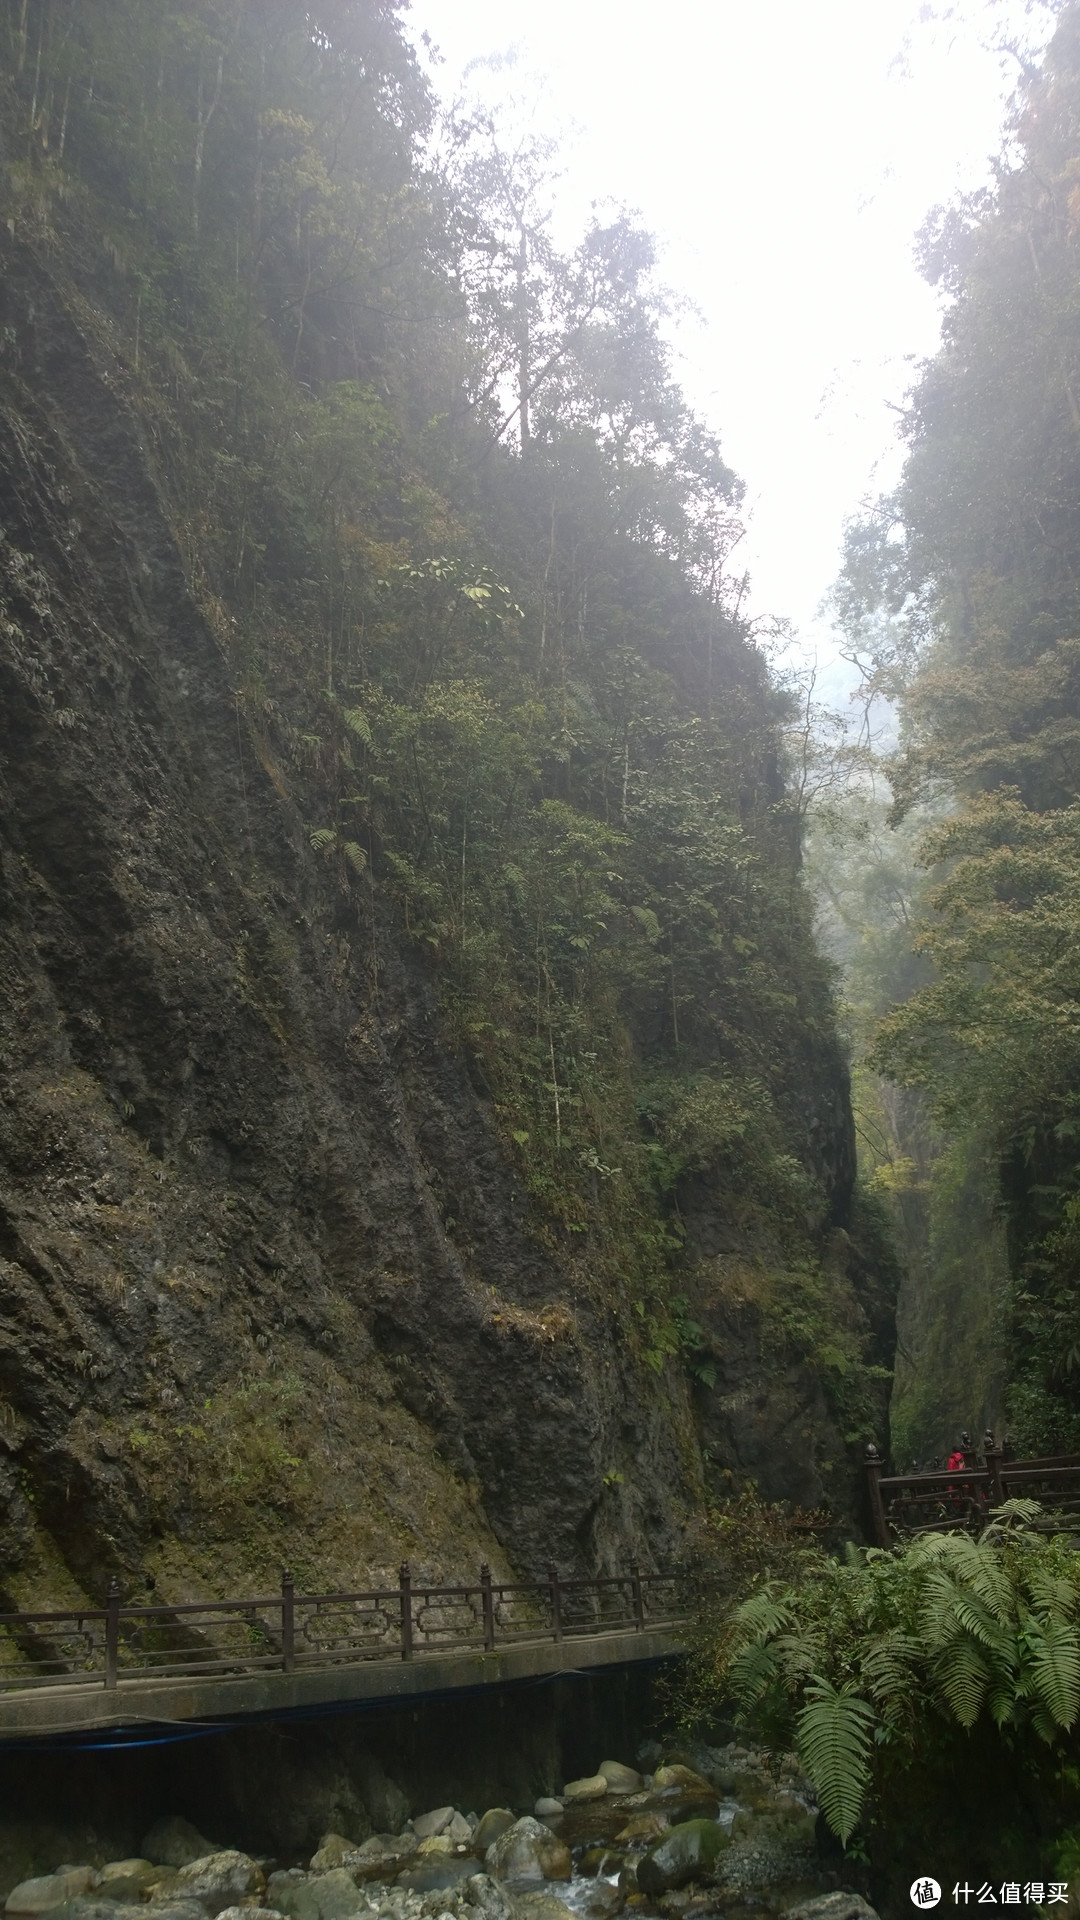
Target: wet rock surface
{"type": "Point", "coordinates": [733, 1834]}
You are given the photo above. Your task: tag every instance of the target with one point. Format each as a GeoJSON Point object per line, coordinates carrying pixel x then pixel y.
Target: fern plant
{"type": "Point", "coordinates": [856, 1658]}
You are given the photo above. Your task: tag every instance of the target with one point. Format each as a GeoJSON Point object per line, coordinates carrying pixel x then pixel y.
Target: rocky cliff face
{"type": "Point", "coordinates": [268, 1287]}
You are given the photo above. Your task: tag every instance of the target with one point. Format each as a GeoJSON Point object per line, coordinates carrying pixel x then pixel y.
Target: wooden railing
{"type": "Point", "coordinates": [289, 1631]}
{"type": "Point", "coordinates": [903, 1504]}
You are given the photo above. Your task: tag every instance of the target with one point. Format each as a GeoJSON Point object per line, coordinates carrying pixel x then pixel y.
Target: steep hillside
{"type": "Point", "coordinates": [424, 1128]}
{"type": "Point", "coordinates": [963, 591]}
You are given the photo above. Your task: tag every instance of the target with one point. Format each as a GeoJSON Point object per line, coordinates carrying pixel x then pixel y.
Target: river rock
{"type": "Point", "coordinates": [461, 1829]}
{"type": "Point", "coordinates": [333, 1850]}
{"type": "Point", "coordinates": [528, 1851]}
{"type": "Point", "coordinates": [219, 1880]}
{"type": "Point", "coordinates": [688, 1852]}
{"type": "Point", "coordinates": [174, 1842]}
{"type": "Point", "coordinates": [381, 1856]}
{"type": "Point", "coordinates": [315, 1896]}
{"type": "Point", "coordinates": [546, 1808]}
{"type": "Point", "coordinates": [538, 1906]}
{"type": "Point", "coordinates": [599, 1859]}
{"type": "Point", "coordinates": [496, 1821]}
{"type": "Point", "coordinates": [833, 1906]}
{"type": "Point", "coordinates": [485, 1893]}
{"type": "Point", "coordinates": [90, 1907]}
{"type": "Point", "coordinates": [643, 1826]}
{"type": "Point", "coordinates": [245, 1913]}
{"type": "Point", "coordinates": [51, 1889]}
{"type": "Point", "coordinates": [679, 1776]}
{"type": "Point", "coordinates": [137, 1881]}
{"type": "Point", "coordinates": [427, 1825]}
{"type": "Point", "coordinates": [620, 1779]}
{"type": "Point", "coordinates": [593, 1787]}
{"type": "Point", "coordinates": [437, 1872]}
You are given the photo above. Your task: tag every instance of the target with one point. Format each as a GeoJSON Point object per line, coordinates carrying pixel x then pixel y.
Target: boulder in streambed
{"type": "Point", "coordinates": [174, 1842]}
{"type": "Point", "coordinates": [592, 1787]}
{"type": "Point", "coordinates": [548, 1808]}
{"type": "Point", "coordinates": [683, 1777]}
{"type": "Point", "coordinates": [333, 1851]}
{"type": "Point", "coordinates": [380, 1857]}
{"type": "Point", "coordinates": [436, 1872]}
{"type": "Point", "coordinates": [538, 1906]}
{"type": "Point", "coordinates": [315, 1896]}
{"type": "Point", "coordinates": [244, 1913]}
{"type": "Point", "coordinates": [833, 1906]}
{"type": "Point", "coordinates": [620, 1779]}
{"type": "Point", "coordinates": [50, 1890]}
{"type": "Point", "coordinates": [528, 1851]}
{"type": "Point", "coordinates": [485, 1893]}
{"type": "Point", "coordinates": [688, 1852]}
{"type": "Point", "coordinates": [219, 1880]}
{"type": "Point", "coordinates": [89, 1907]}
{"type": "Point", "coordinates": [427, 1825]}
{"type": "Point", "coordinates": [495, 1821]}
{"type": "Point", "coordinates": [129, 1880]}
{"type": "Point", "coordinates": [643, 1826]}
{"type": "Point", "coordinates": [599, 1859]}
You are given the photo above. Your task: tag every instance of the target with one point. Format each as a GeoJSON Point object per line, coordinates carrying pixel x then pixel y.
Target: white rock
{"type": "Point", "coordinates": [427, 1825]}
{"type": "Point", "coordinates": [620, 1779]}
{"type": "Point", "coordinates": [219, 1880]}
{"type": "Point", "coordinates": [528, 1851]}
{"type": "Point", "coordinates": [49, 1889]}
{"type": "Point", "coordinates": [546, 1807]}
{"type": "Point", "coordinates": [592, 1787]}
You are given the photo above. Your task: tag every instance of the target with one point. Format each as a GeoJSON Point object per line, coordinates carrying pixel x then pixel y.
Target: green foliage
{"type": "Point", "coordinates": [960, 600]}
{"type": "Point", "coordinates": [866, 1660]}
{"type": "Point", "coordinates": [466, 545]}
{"type": "Point", "coordinates": [834, 1733]}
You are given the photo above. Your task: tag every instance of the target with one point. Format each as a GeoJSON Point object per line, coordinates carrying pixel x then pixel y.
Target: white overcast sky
{"type": "Point", "coordinates": [784, 152]}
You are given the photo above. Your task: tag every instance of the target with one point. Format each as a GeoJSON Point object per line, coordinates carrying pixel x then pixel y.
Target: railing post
{"type": "Point", "coordinates": [288, 1622]}
{"type": "Point", "coordinates": [874, 1464]}
{"type": "Point", "coordinates": [487, 1608]}
{"type": "Point", "coordinates": [112, 1631]}
{"type": "Point", "coordinates": [967, 1449]}
{"type": "Point", "coordinates": [556, 1600]}
{"type": "Point", "coordinates": [638, 1596]}
{"type": "Point", "coordinates": [992, 1454]}
{"type": "Point", "coordinates": [405, 1584]}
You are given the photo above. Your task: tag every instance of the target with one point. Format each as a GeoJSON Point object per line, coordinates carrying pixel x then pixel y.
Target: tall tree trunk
{"type": "Point", "coordinates": [523, 337]}
{"type": "Point", "coordinates": [202, 122]}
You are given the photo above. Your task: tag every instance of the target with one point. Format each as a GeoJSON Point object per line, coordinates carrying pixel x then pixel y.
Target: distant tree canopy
{"type": "Point", "coordinates": [468, 548]}
{"type": "Point", "coordinates": [962, 596]}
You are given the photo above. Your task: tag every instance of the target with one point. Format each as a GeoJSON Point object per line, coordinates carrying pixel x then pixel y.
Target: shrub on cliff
{"type": "Point", "coordinates": [868, 1665]}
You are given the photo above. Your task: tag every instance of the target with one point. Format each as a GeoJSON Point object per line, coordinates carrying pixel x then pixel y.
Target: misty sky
{"type": "Point", "coordinates": [785, 154]}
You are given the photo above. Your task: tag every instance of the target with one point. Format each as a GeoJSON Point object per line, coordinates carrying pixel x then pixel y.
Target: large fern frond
{"type": "Point", "coordinates": [835, 1730]}
{"type": "Point", "coordinates": [796, 1654]}
{"type": "Point", "coordinates": [357, 722]}
{"type": "Point", "coordinates": [1052, 1594]}
{"type": "Point", "coordinates": [752, 1672]}
{"type": "Point", "coordinates": [1053, 1671]}
{"type": "Point", "coordinates": [889, 1667]}
{"type": "Point", "coordinates": [963, 1675]}
{"type": "Point", "coordinates": [761, 1615]}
